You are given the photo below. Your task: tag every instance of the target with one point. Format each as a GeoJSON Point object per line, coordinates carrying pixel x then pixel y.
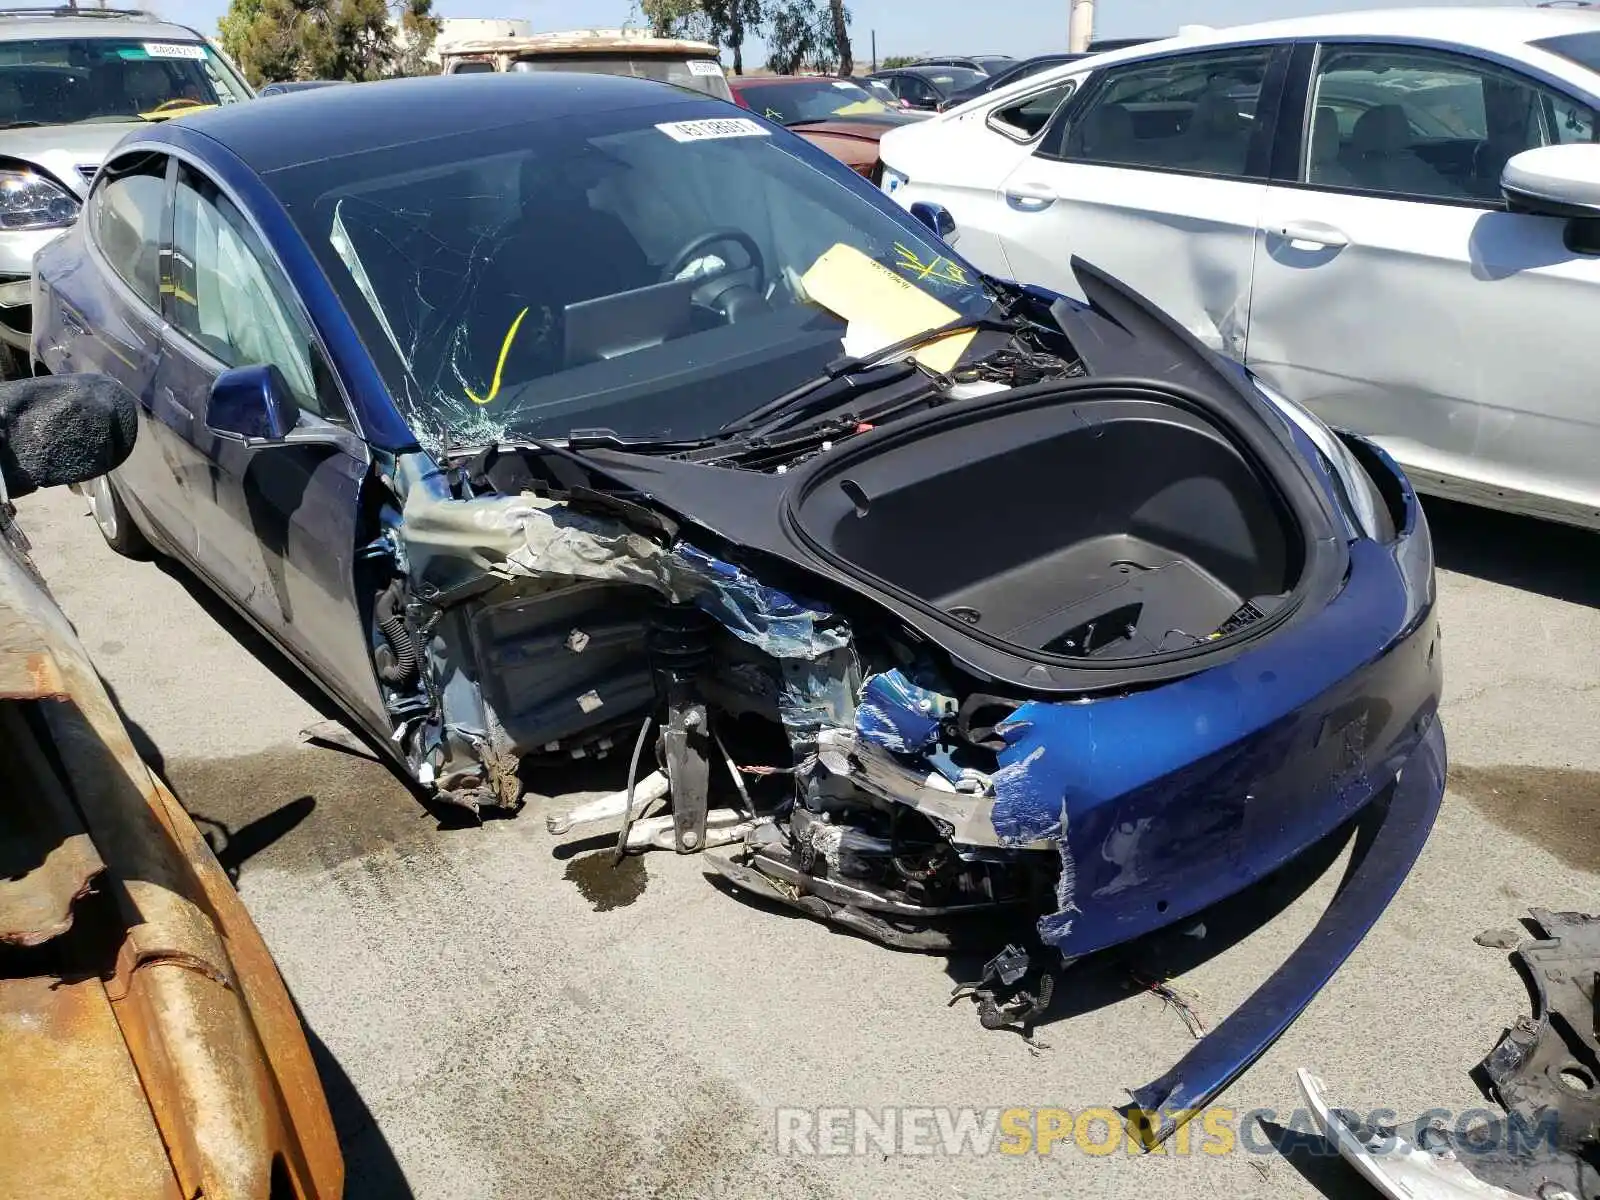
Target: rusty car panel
{"type": "Point", "coordinates": [133, 984]}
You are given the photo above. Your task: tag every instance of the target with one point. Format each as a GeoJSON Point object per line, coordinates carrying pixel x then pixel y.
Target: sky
{"type": "Point", "coordinates": [1016, 27]}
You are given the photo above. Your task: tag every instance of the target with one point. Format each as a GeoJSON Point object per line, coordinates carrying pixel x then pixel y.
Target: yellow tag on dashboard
{"type": "Point", "coordinates": [881, 307]}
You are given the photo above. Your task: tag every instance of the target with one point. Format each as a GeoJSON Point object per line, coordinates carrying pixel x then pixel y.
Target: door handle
{"type": "Point", "coordinates": [1312, 233]}
{"type": "Point", "coordinates": [170, 399]}
{"type": "Point", "coordinates": [1031, 197]}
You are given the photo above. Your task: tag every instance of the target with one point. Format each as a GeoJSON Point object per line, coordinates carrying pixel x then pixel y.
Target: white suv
{"type": "Point", "coordinates": [72, 84]}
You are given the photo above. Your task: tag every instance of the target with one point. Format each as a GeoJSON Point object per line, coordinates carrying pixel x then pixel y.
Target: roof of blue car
{"type": "Point", "coordinates": [320, 123]}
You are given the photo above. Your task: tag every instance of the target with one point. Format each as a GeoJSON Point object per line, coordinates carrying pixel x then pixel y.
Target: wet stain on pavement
{"type": "Point", "coordinates": [1556, 808]}
{"type": "Point", "coordinates": [606, 885]}
{"type": "Point", "coordinates": [111, 647]}
{"type": "Point", "coordinates": [296, 807]}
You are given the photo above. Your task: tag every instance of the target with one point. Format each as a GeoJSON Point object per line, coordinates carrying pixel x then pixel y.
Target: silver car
{"type": "Point", "coordinates": [71, 85]}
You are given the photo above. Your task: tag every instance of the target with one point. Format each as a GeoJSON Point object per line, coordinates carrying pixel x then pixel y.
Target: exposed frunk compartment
{"type": "Point", "coordinates": [1082, 526]}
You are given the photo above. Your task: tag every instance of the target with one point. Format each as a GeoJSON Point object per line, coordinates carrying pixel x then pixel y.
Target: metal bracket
{"type": "Point", "coordinates": [686, 743]}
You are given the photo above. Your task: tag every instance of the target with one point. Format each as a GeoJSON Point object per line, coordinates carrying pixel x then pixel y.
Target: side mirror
{"type": "Point", "coordinates": [251, 404]}
{"type": "Point", "coordinates": [937, 218]}
{"type": "Point", "coordinates": [1554, 181]}
{"type": "Point", "coordinates": [61, 429]}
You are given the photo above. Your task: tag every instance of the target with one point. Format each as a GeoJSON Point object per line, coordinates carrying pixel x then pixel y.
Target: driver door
{"type": "Point", "coordinates": [275, 524]}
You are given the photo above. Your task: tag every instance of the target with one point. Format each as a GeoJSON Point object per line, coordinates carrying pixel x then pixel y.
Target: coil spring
{"type": "Point", "coordinates": [679, 638]}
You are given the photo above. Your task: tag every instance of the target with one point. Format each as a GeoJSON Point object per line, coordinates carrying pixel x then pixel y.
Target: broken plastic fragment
{"type": "Point", "coordinates": [577, 641]}
{"type": "Point", "coordinates": [898, 715]}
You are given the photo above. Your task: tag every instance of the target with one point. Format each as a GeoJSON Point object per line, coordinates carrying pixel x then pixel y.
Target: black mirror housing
{"type": "Point", "coordinates": [251, 404]}
{"type": "Point", "coordinates": [63, 429]}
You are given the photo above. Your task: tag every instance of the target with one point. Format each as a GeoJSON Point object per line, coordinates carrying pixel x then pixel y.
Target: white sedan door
{"type": "Point", "coordinates": [1157, 175]}
{"type": "Point", "coordinates": [1397, 298]}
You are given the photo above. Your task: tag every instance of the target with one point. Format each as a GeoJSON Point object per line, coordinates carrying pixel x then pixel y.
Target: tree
{"type": "Point", "coordinates": [841, 39]}
{"type": "Point", "coordinates": [899, 60]}
{"type": "Point", "coordinates": [720, 22]}
{"type": "Point", "coordinates": [807, 35]}
{"type": "Point", "coordinates": [675, 18]}
{"type": "Point", "coordinates": [419, 29]}
{"type": "Point", "coordinates": [731, 21]}
{"type": "Point", "coordinates": [353, 40]}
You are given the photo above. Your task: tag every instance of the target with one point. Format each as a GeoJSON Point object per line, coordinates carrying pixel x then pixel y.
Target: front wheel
{"type": "Point", "coordinates": [111, 515]}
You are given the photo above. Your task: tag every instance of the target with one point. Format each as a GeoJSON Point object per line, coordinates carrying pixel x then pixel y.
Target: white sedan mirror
{"type": "Point", "coordinates": [1554, 181]}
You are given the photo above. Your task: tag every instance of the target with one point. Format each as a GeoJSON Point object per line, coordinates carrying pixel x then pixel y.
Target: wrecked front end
{"type": "Point", "coordinates": [1100, 647]}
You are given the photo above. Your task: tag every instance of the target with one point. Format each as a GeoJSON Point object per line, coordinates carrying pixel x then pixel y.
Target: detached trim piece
{"type": "Point", "coordinates": [1383, 857]}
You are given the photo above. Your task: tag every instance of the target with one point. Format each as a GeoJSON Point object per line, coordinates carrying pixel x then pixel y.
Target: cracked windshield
{"type": "Point", "coordinates": [638, 271]}
{"type": "Point", "coordinates": [79, 81]}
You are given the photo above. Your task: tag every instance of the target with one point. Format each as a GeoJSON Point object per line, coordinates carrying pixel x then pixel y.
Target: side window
{"type": "Point", "coordinates": [1428, 124]}
{"type": "Point", "coordinates": [127, 210]}
{"type": "Point", "coordinates": [228, 297]}
{"type": "Point", "coordinates": [1191, 113]}
{"type": "Point", "coordinates": [1024, 119]}
{"type": "Point", "coordinates": [917, 91]}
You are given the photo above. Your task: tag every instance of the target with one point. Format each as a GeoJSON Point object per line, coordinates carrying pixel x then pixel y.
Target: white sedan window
{"type": "Point", "coordinates": [1193, 113]}
{"type": "Point", "coordinates": [1422, 123]}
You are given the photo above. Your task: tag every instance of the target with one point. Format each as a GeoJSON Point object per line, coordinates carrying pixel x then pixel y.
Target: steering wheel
{"type": "Point", "coordinates": [709, 238]}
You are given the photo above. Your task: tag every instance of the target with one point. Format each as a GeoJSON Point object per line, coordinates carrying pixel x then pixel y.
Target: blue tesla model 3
{"type": "Point", "coordinates": [550, 416]}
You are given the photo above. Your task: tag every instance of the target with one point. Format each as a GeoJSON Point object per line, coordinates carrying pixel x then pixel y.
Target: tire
{"type": "Point", "coordinates": [113, 520]}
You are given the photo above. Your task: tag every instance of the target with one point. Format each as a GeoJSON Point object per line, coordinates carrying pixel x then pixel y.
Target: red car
{"type": "Point", "coordinates": [838, 115]}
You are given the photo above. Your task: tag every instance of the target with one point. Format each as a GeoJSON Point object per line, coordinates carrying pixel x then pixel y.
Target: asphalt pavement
{"type": "Point", "coordinates": [498, 1014]}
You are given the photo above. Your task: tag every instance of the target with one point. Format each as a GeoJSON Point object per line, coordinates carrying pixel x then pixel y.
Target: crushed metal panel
{"type": "Point", "coordinates": [193, 993]}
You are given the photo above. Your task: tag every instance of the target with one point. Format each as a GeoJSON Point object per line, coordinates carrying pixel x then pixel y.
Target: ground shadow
{"type": "Point", "coordinates": [371, 1170]}
{"type": "Point", "coordinates": [1521, 552]}
{"type": "Point", "coordinates": [235, 847]}
{"type": "Point", "coordinates": [1318, 1161]}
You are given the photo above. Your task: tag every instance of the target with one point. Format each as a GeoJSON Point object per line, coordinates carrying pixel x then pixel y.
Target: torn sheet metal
{"type": "Point", "coordinates": [899, 715]}
{"type": "Point", "coordinates": [537, 541]}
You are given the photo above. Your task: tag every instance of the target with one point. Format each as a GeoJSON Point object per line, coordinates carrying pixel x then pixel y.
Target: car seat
{"type": "Point", "coordinates": [1322, 162]}
{"type": "Point", "coordinates": [1380, 156]}
{"type": "Point", "coordinates": [1217, 137]}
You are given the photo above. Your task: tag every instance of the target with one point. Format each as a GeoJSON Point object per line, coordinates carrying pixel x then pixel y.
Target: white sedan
{"type": "Point", "coordinates": [1392, 217]}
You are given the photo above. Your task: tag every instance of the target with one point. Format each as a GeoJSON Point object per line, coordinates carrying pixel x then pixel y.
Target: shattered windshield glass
{"type": "Point", "coordinates": [638, 271]}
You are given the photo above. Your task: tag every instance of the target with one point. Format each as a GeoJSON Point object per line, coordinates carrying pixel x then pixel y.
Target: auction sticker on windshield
{"type": "Point", "coordinates": [174, 50]}
{"type": "Point", "coordinates": [700, 66]}
{"type": "Point", "coordinates": [712, 130]}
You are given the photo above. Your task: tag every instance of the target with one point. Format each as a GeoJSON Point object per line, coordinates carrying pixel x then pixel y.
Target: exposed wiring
{"type": "Point", "coordinates": [500, 364]}
{"type": "Point", "coordinates": [734, 769]}
{"type": "Point", "coordinates": [633, 771]}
